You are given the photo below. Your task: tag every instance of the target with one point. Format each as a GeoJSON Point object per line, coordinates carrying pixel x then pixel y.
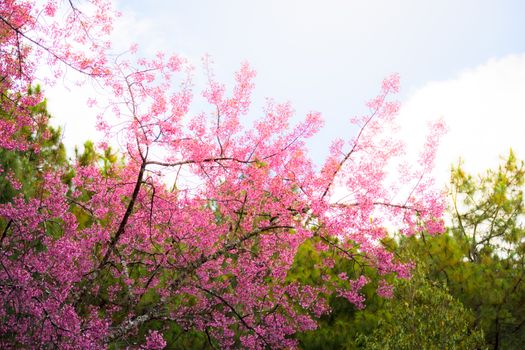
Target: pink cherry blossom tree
{"type": "Point", "coordinates": [102, 259]}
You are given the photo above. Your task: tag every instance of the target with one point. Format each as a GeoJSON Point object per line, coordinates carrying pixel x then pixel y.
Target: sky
{"type": "Point", "coordinates": [463, 61]}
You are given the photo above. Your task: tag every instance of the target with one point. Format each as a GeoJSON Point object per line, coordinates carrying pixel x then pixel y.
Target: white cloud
{"type": "Point", "coordinates": [484, 109]}
{"type": "Point", "coordinates": [67, 103]}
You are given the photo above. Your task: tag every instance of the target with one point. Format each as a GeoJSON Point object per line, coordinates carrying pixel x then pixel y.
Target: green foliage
{"type": "Point", "coordinates": [423, 315]}
{"type": "Point", "coordinates": [90, 156]}
{"type": "Point", "coordinates": [340, 328]}
{"type": "Point", "coordinates": [481, 257]}
{"type": "Point", "coordinates": [469, 283]}
{"type": "Point", "coordinates": [25, 167]}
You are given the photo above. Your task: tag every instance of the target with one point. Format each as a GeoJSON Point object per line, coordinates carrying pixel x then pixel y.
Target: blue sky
{"type": "Point", "coordinates": [330, 56]}
{"type": "Point", "coordinates": [336, 50]}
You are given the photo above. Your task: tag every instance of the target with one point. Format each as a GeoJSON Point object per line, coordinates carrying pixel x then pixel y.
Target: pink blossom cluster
{"type": "Point", "coordinates": [118, 249]}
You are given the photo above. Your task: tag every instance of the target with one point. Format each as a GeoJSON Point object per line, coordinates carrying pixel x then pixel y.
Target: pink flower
{"type": "Point", "coordinates": [385, 289]}
{"type": "Point", "coordinates": [154, 341]}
